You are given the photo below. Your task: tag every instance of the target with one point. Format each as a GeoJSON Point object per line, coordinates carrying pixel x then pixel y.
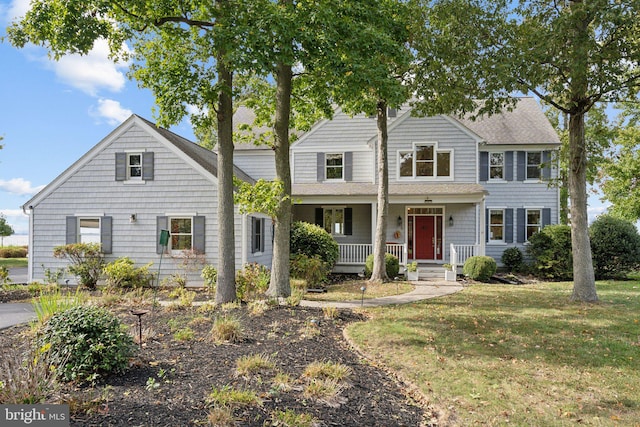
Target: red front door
{"type": "Point", "coordinates": [428, 237]}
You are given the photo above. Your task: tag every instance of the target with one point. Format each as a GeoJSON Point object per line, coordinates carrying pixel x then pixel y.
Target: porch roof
{"type": "Point", "coordinates": [369, 189]}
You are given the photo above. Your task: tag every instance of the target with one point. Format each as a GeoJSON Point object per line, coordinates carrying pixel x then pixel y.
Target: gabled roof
{"type": "Point", "coordinates": [192, 153]}
{"type": "Point", "coordinates": [526, 124]}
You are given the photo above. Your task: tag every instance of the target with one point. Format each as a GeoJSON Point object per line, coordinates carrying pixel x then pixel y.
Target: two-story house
{"type": "Point", "coordinates": [456, 188]}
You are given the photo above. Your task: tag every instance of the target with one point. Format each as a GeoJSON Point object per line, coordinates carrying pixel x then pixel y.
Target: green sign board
{"type": "Point", "coordinates": [164, 237]}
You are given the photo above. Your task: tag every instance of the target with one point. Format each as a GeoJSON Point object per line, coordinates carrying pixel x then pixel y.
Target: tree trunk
{"type": "Point", "coordinates": [226, 287]}
{"type": "Point", "coordinates": [584, 285]}
{"type": "Point", "coordinates": [379, 273]}
{"type": "Point", "coordinates": [279, 286]}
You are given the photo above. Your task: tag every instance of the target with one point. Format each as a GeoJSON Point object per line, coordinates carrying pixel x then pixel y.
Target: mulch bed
{"type": "Point", "coordinates": [169, 380]}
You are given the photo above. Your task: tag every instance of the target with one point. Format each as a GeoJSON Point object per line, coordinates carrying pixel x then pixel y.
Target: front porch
{"type": "Point", "coordinates": [353, 256]}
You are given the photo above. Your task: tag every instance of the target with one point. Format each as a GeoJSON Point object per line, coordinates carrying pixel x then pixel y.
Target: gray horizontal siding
{"type": "Point", "coordinates": [176, 188]}
{"type": "Point", "coordinates": [434, 129]}
{"type": "Point", "coordinates": [257, 165]}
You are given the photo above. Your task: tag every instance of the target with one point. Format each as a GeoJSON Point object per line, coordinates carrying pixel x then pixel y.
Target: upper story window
{"type": "Point", "coordinates": [496, 165]}
{"type": "Point", "coordinates": [496, 225]}
{"type": "Point", "coordinates": [181, 233]}
{"type": "Point", "coordinates": [534, 222]}
{"type": "Point", "coordinates": [424, 161]}
{"type": "Point", "coordinates": [134, 166]}
{"type": "Point", "coordinates": [534, 165]}
{"type": "Point", "coordinates": [334, 165]}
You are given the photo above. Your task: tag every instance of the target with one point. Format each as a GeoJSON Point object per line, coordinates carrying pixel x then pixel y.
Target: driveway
{"type": "Point", "coordinates": [15, 313]}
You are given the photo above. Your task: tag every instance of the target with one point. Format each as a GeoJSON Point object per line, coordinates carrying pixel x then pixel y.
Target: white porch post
{"type": "Point", "coordinates": [482, 220]}
{"type": "Point", "coordinates": [374, 218]}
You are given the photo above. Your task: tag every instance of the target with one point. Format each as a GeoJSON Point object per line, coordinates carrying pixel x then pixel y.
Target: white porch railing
{"type": "Point", "coordinates": [357, 253]}
{"type": "Point", "coordinates": [460, 253]}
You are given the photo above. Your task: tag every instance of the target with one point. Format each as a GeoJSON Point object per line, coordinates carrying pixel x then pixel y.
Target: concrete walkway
{"type": "Point", "coordinates": [424, 290]}
{"type": "Point", "coordinates": [16, 313]}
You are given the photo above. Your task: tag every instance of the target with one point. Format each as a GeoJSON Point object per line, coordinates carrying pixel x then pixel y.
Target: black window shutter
{"type": "Point", "coordinates": [522, 165]}
{"type": "Point", "coordinates": [348, 166]}
{"type": "Point", "coordinates": [72, 230]}
{"type": "Point", "coordinates": [319, 217]}
{"type": "Point", "coordinates": [508, 225]}
{"type": "Point", "coordinates": [262, 222]}
{"type": "Point", "coordinates": [546, 165]}
{"type": "Point", "coordinates": [106, 227]}
{"type": "Point", "coordinates": [348, 221]}
{"type": "Point", "coordinates": [508, 166]}
{"type": "Point", "coordinates": [162, 223]}
{"type": "Point", "coordinates": [484, 166]}
{"type": "Point", "coordinates": [320, 166]}
{"type": "Point", "coordinates": [198, 234]}
{"type": "Point", "coordinates": [486, 225]}
{"type": "Point", "coordinates": [546, 217]}
{"type": "Point", "coordinates": [121, 166]}
{"type": "Point", "coordinates": [521, 225]}
{"type": "Point", "coordinates": [147, 166]}
{"type": "Point", "coordinates": [253, 234]}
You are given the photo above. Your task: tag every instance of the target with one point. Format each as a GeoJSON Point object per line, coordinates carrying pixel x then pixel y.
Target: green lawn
{"type": "Point", "coordinates": [517, 355]}
{"type": "Point", "coordinates": [13, 262]}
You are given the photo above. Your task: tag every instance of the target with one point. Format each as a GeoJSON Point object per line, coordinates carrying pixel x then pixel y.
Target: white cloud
{"type": "Point", "coordinates": [16, 9]}
{"type": "Point", "coordinates": [110, 110]}
{"type": "Point", "coordinates": [18, 220]}
{"type": "Point", "coordinates": [91, 72]}
{"type": "Point", "coordinates": [19, 186]}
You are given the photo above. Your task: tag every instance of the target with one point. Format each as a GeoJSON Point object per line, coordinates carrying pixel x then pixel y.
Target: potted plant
{"type": "Point", "coordinates": [412, 271]}
{"type": "Point", "coordinates": [449, 274]}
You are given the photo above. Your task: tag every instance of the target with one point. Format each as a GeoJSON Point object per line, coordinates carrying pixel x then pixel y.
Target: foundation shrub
{"type": "Point", "coordinates": [480, 268]}
{"type": "Point", "coordinates": [391, 263]}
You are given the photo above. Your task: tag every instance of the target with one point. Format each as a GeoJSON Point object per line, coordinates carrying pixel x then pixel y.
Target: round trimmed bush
{"type": "Point", "coordinates": [550, 249]}
{"type": "Point", "coordinates": [480, 268]}
{"type": "Point", "coordinates": [86, 343]}
{"type": "Point", "coordinates": [512, 258]}
{"type": "Point", "coordinates": [391, 264]}
{"type": "Point", "coordinates": [615, 247]}
{"type": "Point", "coordinates": [311, 240]}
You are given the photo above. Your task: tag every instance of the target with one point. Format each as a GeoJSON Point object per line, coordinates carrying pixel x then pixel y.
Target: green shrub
{"type": "Point", "coordinates": [122, 273]}
{"type": "Point", "coordinates": [615, 247]}
{"type": "Point", "coordinates": [550, 250]}
{"type": "Point", "coordinates": [87, 261]}
{"type": "Point", "coordinates": [391, 263]}
{"type": "Point", "coordinates": [311, 269]}
{"type": "Point", "coordinates": [85, 343]}
{"type": "Point", "coordinates": [210, 276]}
{"type": "Point", "coordinates": [4, 275]}
{"type": "Point", "coordinates": [252, 281]}
{"type": "Point", "coordinates": [479, 268]}
{"type": "Point", "coordinates": [13, 252]}
{"type": "Point", "coordinates": [512, 258]}
{"type": "Point", "coordinates": [312, 240]}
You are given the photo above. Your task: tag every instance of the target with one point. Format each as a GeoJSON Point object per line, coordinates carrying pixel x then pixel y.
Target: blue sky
{"type": "Point", "coordinates": [51, 113]}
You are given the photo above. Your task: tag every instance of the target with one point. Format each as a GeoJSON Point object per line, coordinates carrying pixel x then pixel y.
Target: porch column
{"type": "Point", "coordinates": [374, 218]}
{"type": "Point", "coordinates": [482, 221]}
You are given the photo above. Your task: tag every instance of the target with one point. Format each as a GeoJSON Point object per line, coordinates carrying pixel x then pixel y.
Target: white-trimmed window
{"type": "Point", "coordinates": [534, 222]}
{"type": "Point", "coordinates": [496, 225]}
{"type": "Point", "coordinates": [181, 229]}
{"type": "Point", "coordinates": [257, 234]}
{"type": "Point", "coordinates": [333, 221]}
{"type": "Point", "coordinates": [334, 164]}
{"type": "Point", "coordinates": [496, 165]}
{"type": "Point", "coordinates": [88, 230]}
{"type": "Point", "coordinates": [424, 161]}
{"type": "Point", "coordinates": [534, 164]}
{"type": "Point", "coordinates": [134, 166]}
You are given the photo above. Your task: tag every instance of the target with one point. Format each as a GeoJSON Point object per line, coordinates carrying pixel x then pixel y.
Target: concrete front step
{"type": "Point", "coordinates": [430, 273]}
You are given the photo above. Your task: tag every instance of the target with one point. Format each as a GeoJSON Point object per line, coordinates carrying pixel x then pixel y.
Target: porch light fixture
{"type": "Point", "coordinates": [133, 218]}
{"type": "Point", "coordinates": [399, 221]}
{"type": "Point", "coordinates": [450, 220]}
